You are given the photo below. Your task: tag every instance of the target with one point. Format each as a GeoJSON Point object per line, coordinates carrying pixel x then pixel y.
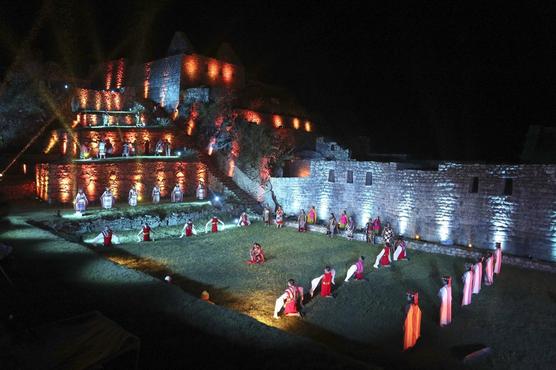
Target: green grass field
{"type": "Point", "coordinates": [515, 317]}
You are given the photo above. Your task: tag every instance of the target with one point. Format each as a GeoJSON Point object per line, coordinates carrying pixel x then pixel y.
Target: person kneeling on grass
{"type": "Point", "coordinates": [146, 233]}
{"type": "Point", "coordinates": [214, 222]}
{"type": "Point", "coordinates": [188, 229]}
{"type": "Point", "coordinates": [256, 254]}
{"type": "Point", "coordinates": [383, 257]}
{"type": "Point", "coordinates": [356, 269]}
{"type": "Point", "coordinates": [107, 236]}
{"type": "Point", "coordinates": [243, 220]}
{"type": "Point", "coordinates": [326, 280]}
{"type": "Point", "coordinates": [290, 300]}
{"type": "Point", "coordinates": [400, 250]}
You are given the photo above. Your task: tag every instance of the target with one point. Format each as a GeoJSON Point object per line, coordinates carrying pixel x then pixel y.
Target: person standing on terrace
{"type": "Point", "coordinates": [80, 202]}
{"type": "Point", "coordinates": [177, 195]}
{"type": "Point", "coordinates": [156, 194]}
{"type": "Point", "coordinates": [132, 196]}
{"type": "Point", "coordinates": [107, 199]}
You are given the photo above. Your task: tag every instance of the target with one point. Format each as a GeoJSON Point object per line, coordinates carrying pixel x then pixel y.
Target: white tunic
{"type": "Point", "coordinates": [107, 199]}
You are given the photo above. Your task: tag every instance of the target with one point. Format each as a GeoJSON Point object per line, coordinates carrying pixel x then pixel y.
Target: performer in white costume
{"type": "Point", "coordinates": [177, 195]}
{"type": "Point", "coordinates": [201, 193]}
{"type": "Point", "coordinates": [445, 295]}
{"type": "Point", "coordinates": [477, 275]}
{"type": "Point", "coordinates": [467, 285]}
{"type": "Point", "coordinates": [156, 194]}
{"type": "Point", "coordinates": [132, 196]}
{"type": "Point", "coordinates": [107, 199]}
{"type": "Point", "coordinates": [80, 202]}
{"type": "Point", "coordinates": [498, 258]}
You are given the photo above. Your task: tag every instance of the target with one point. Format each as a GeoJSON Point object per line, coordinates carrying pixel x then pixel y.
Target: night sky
{"type": "Point", "coordinates": [450, 81]}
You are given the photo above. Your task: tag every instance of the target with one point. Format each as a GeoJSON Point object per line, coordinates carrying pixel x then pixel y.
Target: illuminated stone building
{"type": "Point", "coordinates": [143, 104]}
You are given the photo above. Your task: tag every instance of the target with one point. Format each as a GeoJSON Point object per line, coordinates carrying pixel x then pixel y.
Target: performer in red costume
{"type": "Point", "coordinates": [467, 285]}
{"type": "Point", "coordinates": [445, 295]}
{"type": "Point", "coordinates": [326, 280]}
{"type": "Point", "coordinates": [489, 269]}
{"type": "Point", "coordinates": [146, 231]}
{"type": "Point", "coordinates": [356, 269]}
{"type": "Point", "coordinates": [498, 258]}
{"type": "Point", "coordinates": [214, 221]}
{"type": "Point", "coordinates": [244, 220]}
{"type": "Point", "coordinates": [107, 236]}
{"type": "Point", "coordinates": [188, 229]}
{"type": "Point", "coordinates": [279, 218]}
{"type": "Point", "coordinates": [412, 324]}
{"type": "Point", "coordinates": [256, 254]}
{"type": "Point", "coordinates": [400, 250]}
{"type": "Point", "coordinates": [383, 257]}
{"type": "Point", "coordinates": [291, 300]}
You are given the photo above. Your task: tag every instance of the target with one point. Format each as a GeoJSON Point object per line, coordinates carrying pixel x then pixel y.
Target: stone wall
{"type": "Point", "coordinates": [441, 206]}
{"type": "Point", "coordinates": [135, 135]}
{"type": "Point", "coordinates": [59, 182]}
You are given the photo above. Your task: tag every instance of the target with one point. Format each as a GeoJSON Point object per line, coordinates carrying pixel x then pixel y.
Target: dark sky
{"type": "Point", "coordinates": [453, 81]}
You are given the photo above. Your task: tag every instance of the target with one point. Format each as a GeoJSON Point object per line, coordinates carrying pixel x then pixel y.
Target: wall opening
{"type": "Point", "coordinates": [331, 177]}
{"type": "Point", "coordinates": [369, 178]}
{"type": "Point", "coordinates": [350, 177]}
{"type": "Point", "coordinates": [508, 186]}
{"type": "Point", "coordinates": [474, 188]}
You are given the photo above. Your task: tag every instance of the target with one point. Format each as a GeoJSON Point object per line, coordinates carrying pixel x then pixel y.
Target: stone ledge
{"type": "Point", "coordinates": [455, 251]}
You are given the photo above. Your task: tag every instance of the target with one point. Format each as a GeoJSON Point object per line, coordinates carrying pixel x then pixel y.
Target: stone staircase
{"type": "Point", "coordinates": [244, 197]}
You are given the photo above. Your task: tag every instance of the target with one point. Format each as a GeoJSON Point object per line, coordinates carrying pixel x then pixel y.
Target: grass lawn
{"type": "Point", "coordinates": [515, 317]}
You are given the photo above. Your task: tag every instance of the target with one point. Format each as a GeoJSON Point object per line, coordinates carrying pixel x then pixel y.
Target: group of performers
{"type": "Point", "coordinates": [473, 276]}
{"type": "Point", "coordinates": [107, 199]}
{"type": "Point", "coordinates": [386, 257]}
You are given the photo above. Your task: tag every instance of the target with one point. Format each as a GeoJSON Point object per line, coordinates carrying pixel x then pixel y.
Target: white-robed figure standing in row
{"type": "Point", "coordinates": [156, 194]}
{"type": "Point", "coordinates": [356, 269]}
{"type": "Point", "coordinates": [132, 196]}
{"type": "Point", "coordinates": [467, 285]}
{"type": "Point", "coordinates": [477, 275]}
{"type": "Point", "coordinates": [498, 258]}
{"type": "Point", "coordinates": [326, 280]}
{"type": "Point", "coordinates": [107, 199]}
{"type": "Point", "coordinates": [101, 149]}
{"type": "Point", "coordinates": [177, 195]}
{"type": "Point", "coordinates": [489, 269]}
{"type": "Point", "coordinates": [80, 202]}
{"type": "Point", "coordinates": [201, 193]}
{"type": "Point", "coordinates": [291, 301]}
{"type": "Point", "coordinates": [445, 295]}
